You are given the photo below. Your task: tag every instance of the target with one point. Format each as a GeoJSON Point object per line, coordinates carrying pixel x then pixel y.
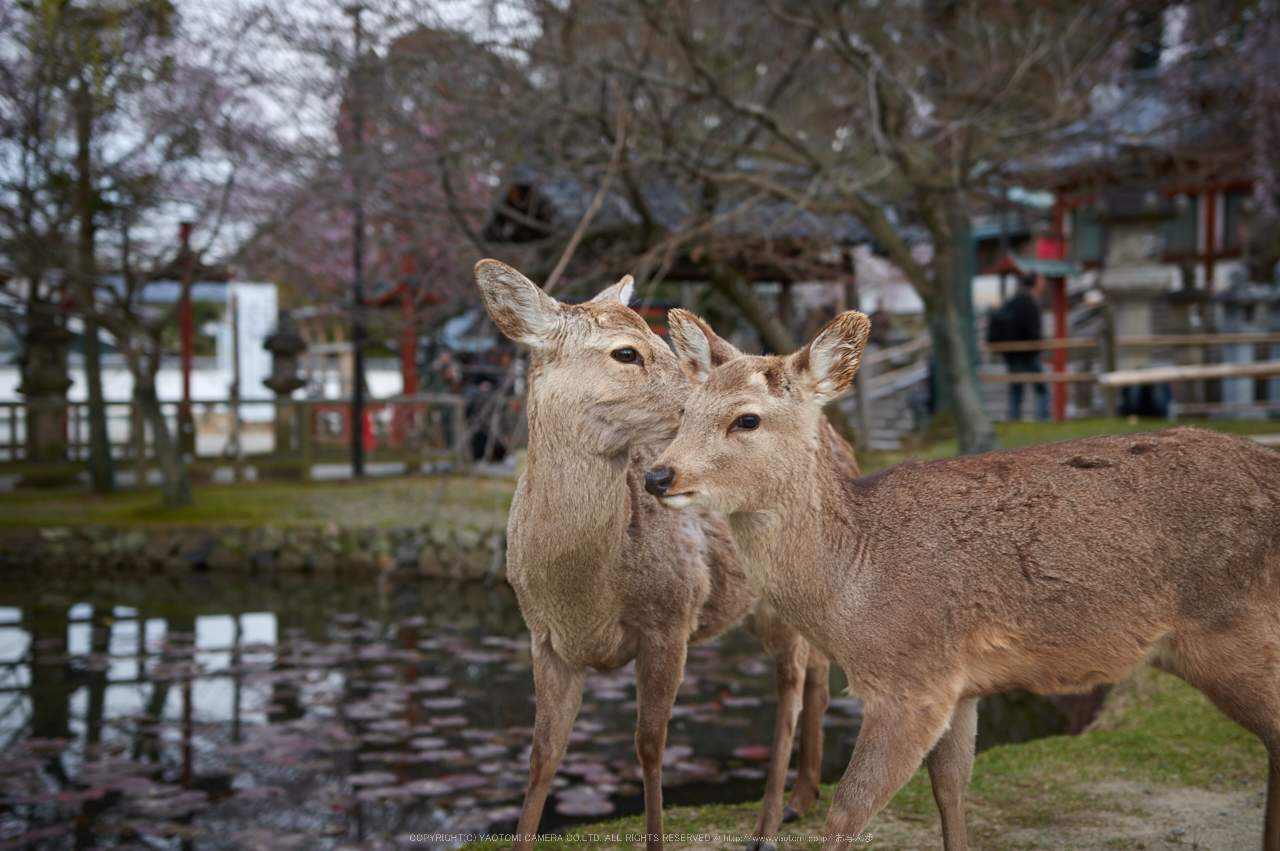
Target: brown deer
{"type": "Point", "coordinates": [602, 574]}
{"type": "Point", "coordinates": [1053, 568]}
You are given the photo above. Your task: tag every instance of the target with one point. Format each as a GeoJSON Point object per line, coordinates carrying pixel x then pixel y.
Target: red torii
{"type": "Point", "coordinates": [403, 290]}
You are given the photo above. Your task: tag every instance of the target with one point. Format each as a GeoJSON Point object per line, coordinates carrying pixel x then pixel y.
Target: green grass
{"type": "Point", "coordinates": [1018, 434]}
{"type": "Point", "coordinates": [398, 501]}
{"type": "Point", "coordinates": [408, 501]}
{"type": "Point", "coordinates": [1154, 730]}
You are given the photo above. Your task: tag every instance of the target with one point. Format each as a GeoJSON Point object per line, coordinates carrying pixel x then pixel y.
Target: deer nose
{"type": "Point", "coordinates": [657, 480]}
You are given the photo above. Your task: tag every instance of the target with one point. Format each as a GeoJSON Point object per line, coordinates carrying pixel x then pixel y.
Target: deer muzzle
{"type": "Point", "coordinates": [658, 480]}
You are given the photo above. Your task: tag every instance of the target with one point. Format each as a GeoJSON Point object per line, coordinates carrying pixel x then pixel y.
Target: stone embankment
{"type": "Point", "coordinates": [437, 551]}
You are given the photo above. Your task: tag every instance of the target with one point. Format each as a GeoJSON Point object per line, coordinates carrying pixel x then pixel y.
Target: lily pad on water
{"type": "Point", "coordinates": [427, 743]}
{"type": "Point", "coordinates": [488, 751]}
{"type": "Point", "coordinates": [261, 839]}
{"type": "Point", "coordinates": [18, 765]}
{"type": "Point", "coordinates": [367, 711]}
{"type": "Point", "coordinates": [141, 787]}
{"type": "Point", "coordinates": [430, 684]}
{"type": "Point", "coordinates": [749, 773]}
{"type": "Point", "coordinates": [443, 703]}
{"type": "Point", "coordinates": [675, 753]}
{"type": "Point", "coordinates": [371, 778]}
{"type": "Point", "coordinates": [394, 794]}
{"type": "Point", "coordinates": [753, 753]}
{"type": "Point", "coordinates": [94, 793]}
{"type": "Point", "coordinates": [581, 769]}
{"type": "Point", "coordinates": [428, 788]}
{"type": "Point", "coordinates": [450, 721]}
{"type": "Point", "coordinates": [610, 694]}
{"type": "Point", "coordinates": [583, 801]}
{"type": "Point", "coordinates": [465, 781]}
{"type": "Point", "coordinates": [180, 806]}
{"type": "Point", "coordinates": [501, 814]}
{"type": "Point", "coordinates": [260, 793]}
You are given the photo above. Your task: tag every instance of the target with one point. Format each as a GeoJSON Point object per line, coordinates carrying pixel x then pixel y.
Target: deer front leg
{"type": "Point", "coordinates": [950, 767]}
{"type": "Point", "coordinates": [558, 688]}
{"type": "Point", "coordinates": [817, 694]}
{"type": "Point", "coordinates": [659, 670]}
{"type": "Point", "coordinates": [895, 737]}
{"type": "Point", "coordinates": [790, 653]}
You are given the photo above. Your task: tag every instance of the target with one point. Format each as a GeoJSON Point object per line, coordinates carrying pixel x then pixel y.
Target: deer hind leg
{"type": "Point", "coordinates": [558, 688]}
{"type": "Point", "coordinates": [659, 670]}
{"type": "Point", "coordinates": [817, 694]}
{"type": "Point", "coordinates": [790, 655]}
{"type": "Point", "coordinates": [895, 737]}
{"type": "Point", "coordinates": [950, 767]}
{"type": "Point", "coordinates": [1238, 669]}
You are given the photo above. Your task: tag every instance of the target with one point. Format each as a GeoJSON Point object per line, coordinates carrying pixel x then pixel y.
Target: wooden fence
{"type": "Point", "coordinates": [1110, 379]}
{"type": "Point", "coordinates": [910, 360]}
{"type": "Point", "coordinates": [411, 430]}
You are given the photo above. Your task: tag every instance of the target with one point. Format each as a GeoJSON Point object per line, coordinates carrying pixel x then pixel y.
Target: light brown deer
{"type": "Point", "coordinates": [1053, 568]}
{"type": "Point", "coordinates": [602, 574]}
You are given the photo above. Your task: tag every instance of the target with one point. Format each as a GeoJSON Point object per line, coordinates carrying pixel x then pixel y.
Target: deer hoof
{"type": "Point", "coordinates": [761, 845]}
{"type": "Point", "coordinates": [789, 815]}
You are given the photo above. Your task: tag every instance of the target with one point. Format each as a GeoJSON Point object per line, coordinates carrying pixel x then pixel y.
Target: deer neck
{"type": "Point", "coordinates": [794, 550]}
{"type": "Point", "coordinates": [579, 498]}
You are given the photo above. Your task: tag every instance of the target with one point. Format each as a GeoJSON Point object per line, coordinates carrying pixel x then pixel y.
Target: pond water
{"type": "Point", "coordinates": [306, 711]}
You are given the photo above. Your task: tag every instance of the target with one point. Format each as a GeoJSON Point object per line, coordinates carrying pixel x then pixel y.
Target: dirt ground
{"type": "Point", "coordinates": [1128, 816]}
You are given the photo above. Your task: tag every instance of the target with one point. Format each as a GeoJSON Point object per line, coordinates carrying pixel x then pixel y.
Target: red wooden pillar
{"type": "Point", "coordinates": [1054, 248]}
{"type": "Point", "coordinates": [408, 332]}
{"type": "Point", "coordinates": [1059, 355]}
{"type": "Point", "coordinates": [402, 417]}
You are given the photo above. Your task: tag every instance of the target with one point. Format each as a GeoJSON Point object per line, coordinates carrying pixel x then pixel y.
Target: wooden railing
{"type": "Point", "coordinates": [411, 430]}
{"type": "Point", "coordinates": [876, 385]}
{"type": "Point", "coordinates": [1129, 377]}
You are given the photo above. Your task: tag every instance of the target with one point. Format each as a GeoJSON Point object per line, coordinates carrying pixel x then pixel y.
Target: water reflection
{"type": "Point", "coordinates": [280, 711]}
{"type": "Point", "coordinates": [220, 712]}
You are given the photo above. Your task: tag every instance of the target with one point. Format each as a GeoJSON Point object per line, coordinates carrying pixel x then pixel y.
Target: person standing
{"type": "Point", "coordinates": [1023, 316]}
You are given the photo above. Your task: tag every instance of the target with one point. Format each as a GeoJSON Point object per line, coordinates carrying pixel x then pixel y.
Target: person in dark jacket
{"type": "Point", "coordinates": [1025, 307]}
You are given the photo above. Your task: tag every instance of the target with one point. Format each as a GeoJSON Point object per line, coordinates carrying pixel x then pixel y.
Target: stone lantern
{"type": "Point", "coordinates": [1133, 276]}
{"type": "Point", "coordinates": [1246, 308]}
{"type": "Point", "coordinates": [45, 382]}
{"type": "Point", "coordinates": [285, 345]}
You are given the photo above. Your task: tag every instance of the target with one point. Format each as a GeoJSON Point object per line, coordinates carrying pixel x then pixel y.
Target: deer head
{"type": "Point", "coordinates": [753, 423]}
{"type": "Point", "coordinates": [596, 370]}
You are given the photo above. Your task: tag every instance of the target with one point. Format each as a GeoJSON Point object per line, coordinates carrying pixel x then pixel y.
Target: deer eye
{"type": "Point", "coordinates": [746, 422]}
{"type": "Point", "coordinates": [627, 355]}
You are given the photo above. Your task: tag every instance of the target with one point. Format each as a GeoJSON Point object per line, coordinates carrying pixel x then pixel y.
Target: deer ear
{"type": "Point", "coordinates": [620, 292]}
{"type": "Point", "coordinates": [826, 366]}
{"type": "Point", "coordinates": [699, 348]}
{"type": "Point", "coordinates": [522, 311]}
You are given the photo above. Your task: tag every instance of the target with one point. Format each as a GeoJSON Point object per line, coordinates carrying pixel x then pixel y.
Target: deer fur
{"type": "Point", "coordinates": [603, 575]}
{"type": "Point", "coordinates": [1053, 568]}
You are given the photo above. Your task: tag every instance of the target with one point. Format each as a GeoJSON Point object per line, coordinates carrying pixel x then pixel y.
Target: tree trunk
{"type": "Point", "coordinates": [953, 351]}
{"type": "Point", "coordinates": [101, 469]}
{"type": "Point", "coordinates": [733, 285]}
{"type": "Point", "coordinates": [174, 483]}
{"type": "Point", "coordinates": [973, 425]}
